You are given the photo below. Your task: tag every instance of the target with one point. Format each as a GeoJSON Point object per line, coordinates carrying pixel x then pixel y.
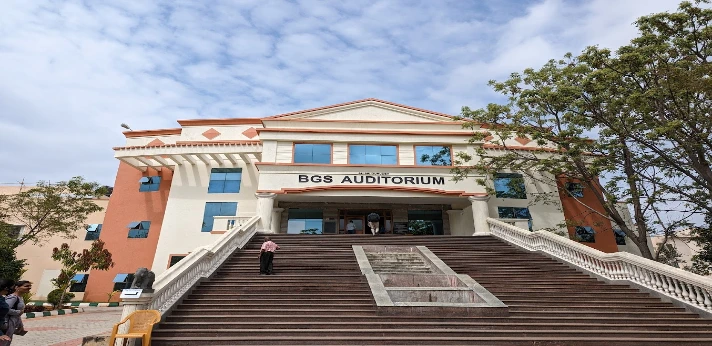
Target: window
{"type": "Point", "coordinates": [225, 180]}
{"type": "Point", "coordinates": [139, 229]}
{"type": "Point", "coordinates": [305, 221]}
{"type": "Point", "coordinates": [429, 155]}
{"type": "Point", "coordinates": [148, 184]}
{"type": "Point", "coordinates": [13, 231]}
{"type": "Point", "coordinates": [175, 259]}
{"type": "Point", "coordinates": [425, 222]}
{"type": "Point", "coordinates": [515, 213]}
{"type": "Point", "coordinates": [216, 209]}
{"type": "Point", "coordinates": [93, 231]}
{"type": "Point", "coordinates": [510, 185]}
{"type": "Point", "coordinates": [312, 153]}
{"type": "Point", "coordinates": [122, 281]}
{"type": "Point", "coordinates": [575, 189]}
{"type": "Point", "coordinates": [373, 154]}
{"type": "Point", "coordinates": [585, 234]}
{"type": "Point", "coordinates": [79, 283]}
{"type": "Point", "coordinates": [620, 237]}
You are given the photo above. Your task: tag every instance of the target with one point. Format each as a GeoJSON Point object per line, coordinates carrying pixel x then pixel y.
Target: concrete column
{"type": "Point", "coordinates": [276, 219]}
{"type": "Point", "coordinates": [454, 216]}
{"type": "Point", "coordinates": [480, 212]}
{"type": "Point", "coordinates": [131, 305]}
{"type": "Point", "coordinates": [265, 204]}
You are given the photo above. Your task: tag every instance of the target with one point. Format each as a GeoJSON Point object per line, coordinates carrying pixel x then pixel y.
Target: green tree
{"type": "Point", "coordinates": [73, 262]}
{"type": "Point", "coordinates": [49, 210]}
{"type": "Point", "coordinates": [10, 266]}
{"type": "Point", "coordinates": [648, 108]}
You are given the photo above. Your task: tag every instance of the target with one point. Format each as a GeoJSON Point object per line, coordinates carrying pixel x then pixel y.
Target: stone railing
{"type": "Point", "coordinates": [172, 284]}
{"type": "Point", "coordinates": [691, 289]}
{"type": "Point", "coordinates": [223, 223]}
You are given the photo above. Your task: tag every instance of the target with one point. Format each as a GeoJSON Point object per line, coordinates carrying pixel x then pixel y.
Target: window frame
{"type": "Point", "coordinates": [418, 161]}
{"type": "Point", "coordinates": [305, 219]}
{"type": "Point", "coordinates": [331, 153]}
{"type": "Point", "coordinates": [79, 286]}
{"type": "Point", "coordinates": [514, 215]}
{"type": "Point", "coordinates": [619, 234]}
{"type": "Point", "coordinates": [349, 151]}
{"type": "Point", "coordinates": [134, 231]}
{"type": "Point", "coordinates": [508, 194]}
{"type": "Point", "coordinates": [577, 193]}
{"type": "Point", "coordinates": [150, 184]}
{"type": "Point", "coordinates": [203, 227]}
{"type": "Point", "coordinates": [581, 239]}
{"type": "Point", "coordinates": [170, 259]}
{"type": "Point", "coordinates": [128, 279]}
{"type": "Point", "coordinates": [212, 188]}
{"type": "Point", "coordinates": [93, 235]}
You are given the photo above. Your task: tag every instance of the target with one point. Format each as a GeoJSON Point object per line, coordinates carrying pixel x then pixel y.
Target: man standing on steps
{"type": "Point", "coordinates": [267, 255]}
{"type": "Point", "coordinates": [373, 220]}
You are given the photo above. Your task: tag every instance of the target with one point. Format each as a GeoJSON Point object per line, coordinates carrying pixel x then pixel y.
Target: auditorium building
{"type": "Point", "coordinates": [316, 171]}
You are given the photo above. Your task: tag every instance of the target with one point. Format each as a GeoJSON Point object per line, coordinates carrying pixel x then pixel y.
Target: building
{"type": "Point", "coordinates": [39, 265]}
{"type": "Point", "coordinates": [682, 243]}
{"type": "Point", "coordinates": [312, 171]}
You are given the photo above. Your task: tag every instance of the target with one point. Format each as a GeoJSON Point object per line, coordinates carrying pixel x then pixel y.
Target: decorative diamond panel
{"type": "Point", "coordinates": [154, 143]}
{"type": "Point", "coordinates": [250, 133]}
{"type": "Point", "coordinates": [523, 141]}
{"type": "Point", "coordinates": [488, 138]}
{"type": "Point", "coordinates": [210, 134]}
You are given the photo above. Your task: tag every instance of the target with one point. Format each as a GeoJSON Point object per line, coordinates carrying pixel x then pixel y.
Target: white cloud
{"type": "Point", "coordinates": [72, 70]}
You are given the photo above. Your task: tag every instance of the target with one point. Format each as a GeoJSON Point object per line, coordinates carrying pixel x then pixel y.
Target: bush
{"type": "Point", "coordinates": [53, 297]}
{"type": "Point", "coordinates": [34, 308]}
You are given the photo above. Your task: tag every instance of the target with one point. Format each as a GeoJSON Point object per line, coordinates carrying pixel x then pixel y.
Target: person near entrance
{"type": "Point", "coordinates": [373, 220]}
{"type": "Point", "coordinates": [267, 255]}
{"type": "Point", "coordinates": [351, 228]}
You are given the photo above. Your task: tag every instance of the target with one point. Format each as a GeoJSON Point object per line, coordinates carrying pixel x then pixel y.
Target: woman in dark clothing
{"type": "Point", "coordinates": [5, 289]}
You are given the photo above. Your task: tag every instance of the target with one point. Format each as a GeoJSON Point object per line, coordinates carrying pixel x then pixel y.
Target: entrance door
{"type": "Point", "coordinates": [357, 224]}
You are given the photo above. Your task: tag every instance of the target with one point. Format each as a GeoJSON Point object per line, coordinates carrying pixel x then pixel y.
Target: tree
{"type": "Point", "coordinates": [48, 209]}
{"type": "Point", "coordinates": [648, 108]}
{"type": "Point", "coordinates": [73, 262]}
{"type": "Point", "coordinates": [10, 266]}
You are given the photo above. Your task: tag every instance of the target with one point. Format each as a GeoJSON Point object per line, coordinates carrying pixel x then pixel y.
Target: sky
{"type": "Point", "coordinates": [72, 71]}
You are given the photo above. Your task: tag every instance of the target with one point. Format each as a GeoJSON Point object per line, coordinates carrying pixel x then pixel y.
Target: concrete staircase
{"type": "Point", "coordinates": [319, 297]}
{"type": "Point", "coordinates": [398, 262]}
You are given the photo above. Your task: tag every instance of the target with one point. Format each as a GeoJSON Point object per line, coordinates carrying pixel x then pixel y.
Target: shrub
{"type": "Point", "coordinates": [34, 308]}
{"type": "Point", "coordinates": [53, 297]}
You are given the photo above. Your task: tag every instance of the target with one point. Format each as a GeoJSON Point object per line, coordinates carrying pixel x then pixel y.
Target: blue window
{"type": "Point", "coordinates": [515, 213]}
{"type": "Point", "coordinates": [585, 234]}
{"type": "Point", "coordinates": [305, 221]}
{"type": "Point", "coordinates": [620, 236]}
{"type": "Point", "coordinates": [432, 155]}
{"type": "Point", "coordinates": [373, 154]}
{"type": "Point", "coordinates": [148, 184]}
{"type": "Point", "coordinates": [574, 189]}
{"type": "Point", "coordinates": [79, 283]}
{"type": "Point", "coordinates": [217, 209]}
{"type": "Point", "coordinates": [312, 153]}
{"type": "Point", "coordinates": [93, 231]}
{"type": "Point", "coordinates": [225, 180]}
{"type": "Point", "coordinates": [122, 281]}
{"type": "Point", "coordinates": [139, 229]}
{"type": "Point", "coordinates": [509, 185]}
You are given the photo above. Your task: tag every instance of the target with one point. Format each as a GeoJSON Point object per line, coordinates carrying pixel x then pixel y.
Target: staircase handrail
{"type": "Point", "coordinates": [171, 285]}
{"type": "Point", "coordinates": [681, 285]}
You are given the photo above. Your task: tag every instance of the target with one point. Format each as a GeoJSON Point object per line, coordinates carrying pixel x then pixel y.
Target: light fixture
{"type": "Point", "coordinates": [126, 126]}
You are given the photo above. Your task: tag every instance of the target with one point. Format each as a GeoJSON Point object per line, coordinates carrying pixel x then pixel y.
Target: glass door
{"type": "Point", "coordinates": [355, 223]}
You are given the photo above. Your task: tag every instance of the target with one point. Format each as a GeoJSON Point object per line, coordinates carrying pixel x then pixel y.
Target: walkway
{"type": "Point", "coordinates": [68, 330]}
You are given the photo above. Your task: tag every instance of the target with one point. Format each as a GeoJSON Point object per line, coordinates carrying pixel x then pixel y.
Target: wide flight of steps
{"type": "Point", "coordinates": [318, 297]}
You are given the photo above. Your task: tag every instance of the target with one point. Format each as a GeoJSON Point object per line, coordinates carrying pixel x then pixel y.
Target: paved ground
{"type": "Point", "coordinates": [68, 330]}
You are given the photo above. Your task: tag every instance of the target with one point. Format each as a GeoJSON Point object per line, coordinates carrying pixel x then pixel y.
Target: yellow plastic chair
{"type": "Point", "coordinates": [140, 326]}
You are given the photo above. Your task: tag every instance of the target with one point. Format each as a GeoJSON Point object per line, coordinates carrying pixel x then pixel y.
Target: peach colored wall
{"type": "Point", "coordinates": [38, 258]}
{"type": "Point", "coordinates": [127, 204]}
{"type": "Point", "coordinates": [573, 210]}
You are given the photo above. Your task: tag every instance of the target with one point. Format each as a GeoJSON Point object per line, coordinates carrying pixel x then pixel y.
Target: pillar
{"type": "Point", "coordinates": [454, 217]}
{"type": "Point", "coordinates": [480, 213]}
{"type": "Point", "coordinates": [276, 219]}
{"type": "Point", "coordinates": [265, 204]}
{"type": "Point", "coordinates": [131, 305]}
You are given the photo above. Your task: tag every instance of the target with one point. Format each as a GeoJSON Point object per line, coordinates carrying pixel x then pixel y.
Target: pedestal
{"type": "Point", "coordinates": [480, 213]}
{"type": "Point", "coordinates": [131, 305]}
{"type": "Point", "coordinates": [265, 204]}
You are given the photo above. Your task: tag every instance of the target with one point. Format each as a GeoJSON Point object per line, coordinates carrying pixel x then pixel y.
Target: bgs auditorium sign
{"type": "Point", "coordinates": [372, 178]}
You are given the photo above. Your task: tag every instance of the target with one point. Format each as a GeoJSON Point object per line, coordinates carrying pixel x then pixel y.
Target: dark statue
{"type": "Point", "coordinates": [143, 279]}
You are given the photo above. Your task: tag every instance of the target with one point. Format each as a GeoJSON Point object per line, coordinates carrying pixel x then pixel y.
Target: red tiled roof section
{"type": "Point", "coordinates": [190, 144]}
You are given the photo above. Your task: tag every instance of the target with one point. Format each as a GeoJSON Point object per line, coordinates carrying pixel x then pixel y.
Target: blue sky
{"type": "Point", "coordinates": [72, 71]}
